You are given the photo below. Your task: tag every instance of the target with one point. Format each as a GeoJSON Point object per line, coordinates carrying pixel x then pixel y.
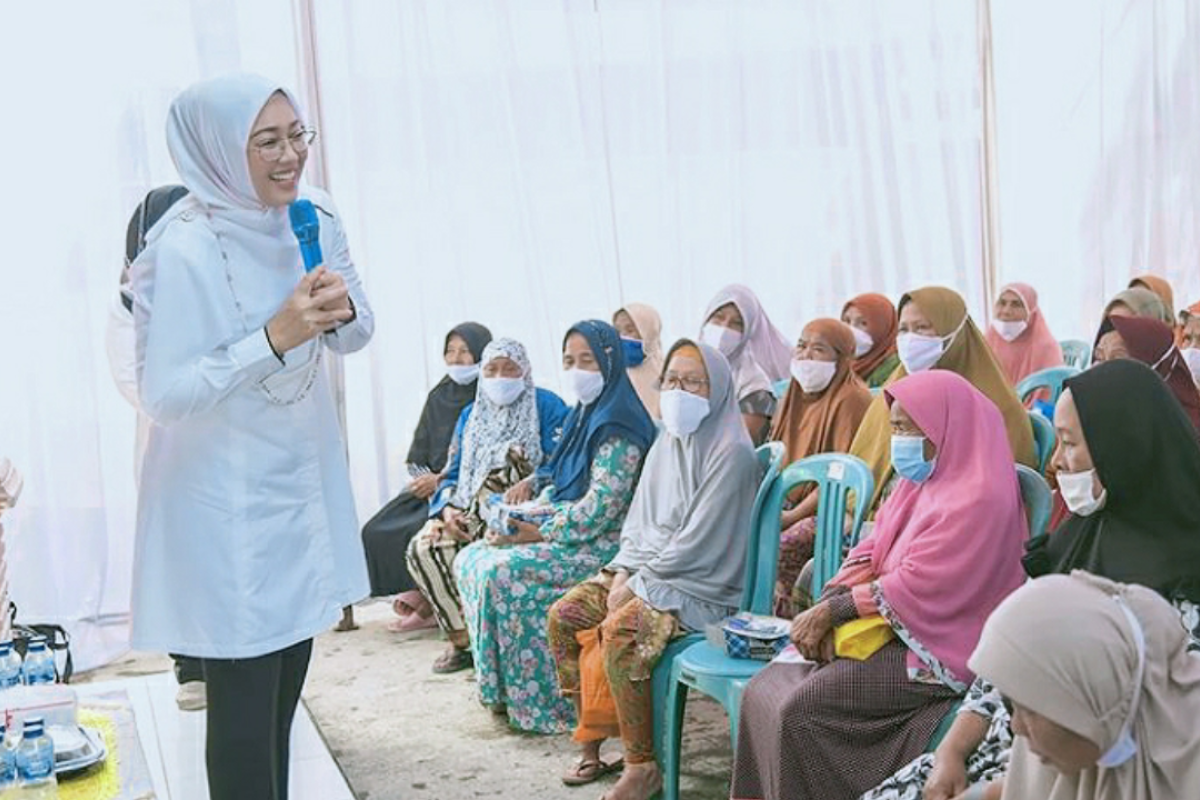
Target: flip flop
{"type": "Point", "coordinates": [412, 622]}
{"type": "Point", "coordinates": [591, 770]}
{"type": "Point", "coordinates": [409, 602]}
{"type": "Point", "coordinates": [453, 660]}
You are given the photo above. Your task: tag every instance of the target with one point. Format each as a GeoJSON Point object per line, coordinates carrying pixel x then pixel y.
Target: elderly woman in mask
{"type": "Point", "coordinates": [247, 540]}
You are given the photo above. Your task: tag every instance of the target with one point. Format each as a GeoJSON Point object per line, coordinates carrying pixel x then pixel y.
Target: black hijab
{"type": "Point", "coordinates": [444, 404]}
{"type": "Point", "coordinates": [1145, 452]}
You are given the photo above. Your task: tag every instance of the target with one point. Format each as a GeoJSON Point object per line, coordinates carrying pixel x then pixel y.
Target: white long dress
{"type": "Point", "coordinates": [247, 538]}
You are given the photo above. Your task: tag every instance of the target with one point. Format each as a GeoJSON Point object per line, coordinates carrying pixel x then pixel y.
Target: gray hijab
{"type": "Point", "coordinates": [686, 531]}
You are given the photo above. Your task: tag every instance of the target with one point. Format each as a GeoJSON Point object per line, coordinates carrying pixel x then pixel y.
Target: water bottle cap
{"type": "Point", "coordinates": [34, 726]}
{"type": "Point", "coordinates": [5, 648]}
{"type": "Point", "coordinates": [37, 644]}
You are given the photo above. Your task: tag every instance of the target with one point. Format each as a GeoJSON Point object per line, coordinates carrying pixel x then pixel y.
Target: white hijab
{"type": "Point", "coordinates": [763, 356]}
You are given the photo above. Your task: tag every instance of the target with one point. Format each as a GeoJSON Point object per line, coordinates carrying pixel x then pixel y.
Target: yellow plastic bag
{"type": "Point", "coordinates": [860, 638]}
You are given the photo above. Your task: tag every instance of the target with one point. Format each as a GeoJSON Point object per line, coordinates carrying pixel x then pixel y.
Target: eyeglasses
{"type": "Point", "coordinates": [669, 383]}
{"type": "Point", "coordinates": [273, 149]}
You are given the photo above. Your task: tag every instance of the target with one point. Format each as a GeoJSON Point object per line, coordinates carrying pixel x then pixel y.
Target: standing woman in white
{"type": "Point", "coordinates": [247, 540]}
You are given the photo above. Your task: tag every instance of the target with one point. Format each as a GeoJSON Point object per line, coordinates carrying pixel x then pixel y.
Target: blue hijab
{"type": "Point", "coordinates": [616, 412]}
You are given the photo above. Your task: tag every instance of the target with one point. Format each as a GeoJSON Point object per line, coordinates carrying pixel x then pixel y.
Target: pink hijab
{"type": "Point", "coordinates": [947, 551]}
{"type": "Point", "coordinates": [1035, 349]}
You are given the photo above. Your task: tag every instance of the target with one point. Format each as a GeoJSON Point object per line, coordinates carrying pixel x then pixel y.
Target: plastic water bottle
{"type": "Point", "coordinates": [10, 666]}
{"type": "Point", "coordinates": [35, 761]}
{"type": "Point", "coordinates": [8, 762]}
{"type": "Point", "coordinates": [39, 664]}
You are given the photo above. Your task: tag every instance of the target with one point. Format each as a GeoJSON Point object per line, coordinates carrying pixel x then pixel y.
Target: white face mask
{"type": "Point", "coordinates": [813, 376]}
{"type": "Point", "coordinates": [1192, 356]}
{"type": "Point", "coordinates": [502, 391]}
{"type": "Point", "coordinates": [724, 339]}
{"type": "Point", "coordinates": [1009, 330]}
{"type": "Point", "coordinates": [586, 385]}
{"type": "Point", "coordinates": [919, 352]}
{"type": "Point", "coordinates": [862, 342]}
{"type": "Point", "coordinates": [463, 375]}
{"type": "Point", "coordinates": [1078, 492]}
{"type": "Point", "coordinates": [682, 412]}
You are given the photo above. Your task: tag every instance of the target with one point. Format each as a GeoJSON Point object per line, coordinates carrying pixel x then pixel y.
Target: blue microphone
{"type": "Point", "coordinates": [307, 228]}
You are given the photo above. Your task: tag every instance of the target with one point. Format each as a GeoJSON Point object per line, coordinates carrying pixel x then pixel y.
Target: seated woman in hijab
{"type": "Point", "coordinates": [680, 566]}
{"type": "Point", "coordinates": [387, 534]}
{"type": "Point", "coordinates": [500, 439]}
{"type": "Point", "coordinates": [820, 413]}
{"type": "Point", "coordinates": [640, 328]}
{"type": "Point", "coordinates": [1189, 341]}
{"type": "Point", "coordinates": [1162, 289]}
{"type": "Point", "coordinates": [1019, 337]}
{"type": "Point", "coordinates": [736, 325]}
{"type": "Point", "coordinates": [937, 333]}
{"type": "Point", "coordinates": [944, 552]}
{"type": "Point", "coordinates": [537, 549]}
{"type": "Point", "coordinates": [872, 318]}
{"type": "Point", "coordinates": [1104, 692]}
{"type": "Point", "coordinates": [1137, 301]}
{"type": "Point", "coordinates": [1117, 424]}
{"type": "Point", "coordinates": [1152, 343]}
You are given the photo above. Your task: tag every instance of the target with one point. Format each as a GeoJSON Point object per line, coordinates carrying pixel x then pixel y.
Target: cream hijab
{"type": "Point", "coordinates": [1067, 647]}
{"type": "Point", "coordinates": [645, 375]}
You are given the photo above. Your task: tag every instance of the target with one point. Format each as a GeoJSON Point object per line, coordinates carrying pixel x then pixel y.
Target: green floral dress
{"type": "Point", "coordinates": [507, 591]}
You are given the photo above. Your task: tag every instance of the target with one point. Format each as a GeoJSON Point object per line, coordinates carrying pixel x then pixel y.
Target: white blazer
{"type": "Point", "coordinates": [247, 539]}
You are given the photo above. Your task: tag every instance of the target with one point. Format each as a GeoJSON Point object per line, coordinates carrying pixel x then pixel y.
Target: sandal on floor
{"type": "Point", "coordinates": [411, 622]}
{"type": "Point", "coordinates": [453, 660]}
{"type": "Point", "coordinates": [591, 770]}
{"type": "Point", "coordinates": [409, 602]}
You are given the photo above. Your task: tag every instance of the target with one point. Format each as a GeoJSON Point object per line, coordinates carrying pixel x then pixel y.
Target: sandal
{"type": "Point", "coordinates": [591, 770]}
{"type": "Point", "coordinates": [453, 660]}
{"type": "Point", "coordinates": [411, 622]}
{"type": "Point", "coordinates": [410, 602]}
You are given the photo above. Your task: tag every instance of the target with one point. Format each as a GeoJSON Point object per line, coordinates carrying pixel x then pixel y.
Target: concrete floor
{"type": "Point", "coordinates": [400, 732]}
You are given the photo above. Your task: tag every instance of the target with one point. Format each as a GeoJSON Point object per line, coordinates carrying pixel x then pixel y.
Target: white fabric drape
{"type": "Point", "coordinates": [529, 164]}
{"type": "Point", "coordinates": [1098, 103]}
{"type": "Point", "coordinates": [86, 91]}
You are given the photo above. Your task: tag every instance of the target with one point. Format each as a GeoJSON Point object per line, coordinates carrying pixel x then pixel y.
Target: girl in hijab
{"type": "Point", "coordinates": [872, 318]}
{"type": "Point", "coordinates": [820, 413]}
{"type": "Point", "coordinates": [681, 561]}
{"type": "Point", "coordinates": [1019, 337]}
{"type": "Point", "coordinates": [1152, 343]}
{"type": "Point", "coordinates": [1117, 424]}
{"type": "Point", "coordinates": [937, 333]}
{"type": "Point", "coordinates": [640, 328]}
{"type": "Point", "coordinates": [1162, 289]}
{"type": "Point", "coordinates": [1105, 694]}
{"type": "Point", "coordinates": [387, 534]}
{"type": "Point", "coordinates": [736, 325]}
{"type": "Point", "coordinates": [509, 580]}
{"type": "Point", "coordinates": [500, 439]}
{"type": "Point", "coordinates": [245, 500]}
{"type": "Point", "coordinates": [944, 552]}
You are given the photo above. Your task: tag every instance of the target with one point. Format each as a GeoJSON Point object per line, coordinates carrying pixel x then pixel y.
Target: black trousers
{"type": "Point", "coordinates": [251, 703]}
{"type": "Point", "coordinates": [187, 669]}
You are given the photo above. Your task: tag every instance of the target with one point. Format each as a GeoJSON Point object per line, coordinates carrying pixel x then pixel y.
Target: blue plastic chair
{"type": "Point", "coordinates": [708, 669]}
{"type": "Point", "coordinates": [1036, 498]}
{"type": "Point", "coordinates": [1051, 379]}
{"type": "Point", "coordinates": [770, 459]}
{"type": "Point", "coordinates": [1043, 439]}
{"type": "Point", "coordinates": [1076, 353]}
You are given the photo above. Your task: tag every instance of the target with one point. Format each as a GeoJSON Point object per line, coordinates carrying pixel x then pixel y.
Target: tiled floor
{"type": "Point", "coordinates": [174, 744]}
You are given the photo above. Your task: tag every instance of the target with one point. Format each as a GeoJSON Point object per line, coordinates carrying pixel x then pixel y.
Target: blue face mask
{"type": "Point", "coordinates": [635, 354]}
{"type": "Point", "coordinates": [908, 458]}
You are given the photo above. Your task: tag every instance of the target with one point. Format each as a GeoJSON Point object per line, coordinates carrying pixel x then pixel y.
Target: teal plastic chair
{"type": "Point", "coordinates": [1051, 379]}
{"type": "Point", "coordinates": [770, 459]}
{"type": "Point", "coordinates": [708, 669]}
{"type": "Point", "coordinates": [1076, 353]}
{"type": "Point", "coordinates": [1037, 500]}
{"type": "Point", "coordinates": [1043, 439]}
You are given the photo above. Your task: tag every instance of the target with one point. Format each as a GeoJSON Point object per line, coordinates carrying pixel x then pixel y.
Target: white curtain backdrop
{"type": "Point", "coordinates": [533, 162]}
{"type": "Point", "coordinates": [1098, 104]}
{"type": "Point", "coordinates": [529, 164]}
{"type": "Point", "coordinates": [86, 91]}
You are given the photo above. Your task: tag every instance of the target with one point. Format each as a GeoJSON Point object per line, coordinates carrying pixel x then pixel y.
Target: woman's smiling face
{"type": "Point", "coordinates": [275, 182]}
